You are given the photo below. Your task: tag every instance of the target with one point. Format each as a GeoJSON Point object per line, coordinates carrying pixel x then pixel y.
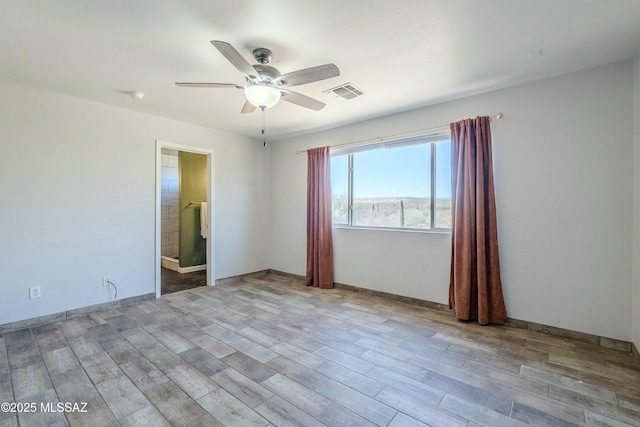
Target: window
{"type": "Point", "coordinates": [404, 184]}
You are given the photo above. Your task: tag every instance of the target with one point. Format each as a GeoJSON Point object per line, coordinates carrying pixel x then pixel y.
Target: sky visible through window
{"type": "Point", "coordinates": [394, 172]}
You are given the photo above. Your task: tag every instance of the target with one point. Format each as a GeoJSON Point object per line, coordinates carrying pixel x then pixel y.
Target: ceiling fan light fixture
{"type": "Point", "coordinates": [262, 96]}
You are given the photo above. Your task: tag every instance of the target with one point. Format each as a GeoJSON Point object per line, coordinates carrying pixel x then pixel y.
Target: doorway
{"type": "Point", "coordinates": [179, 256]}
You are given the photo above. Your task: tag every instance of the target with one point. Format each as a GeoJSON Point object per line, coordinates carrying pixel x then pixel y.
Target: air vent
{"type": "Point", "coordinates": [344, 92]}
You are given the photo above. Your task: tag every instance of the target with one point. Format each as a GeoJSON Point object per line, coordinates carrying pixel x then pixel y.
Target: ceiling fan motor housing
{"type": "Point", "coordinates": [267, 73]}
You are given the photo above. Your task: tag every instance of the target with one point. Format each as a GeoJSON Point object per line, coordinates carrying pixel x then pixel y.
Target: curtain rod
{"type": "Point", "coordinates": [396, 136]}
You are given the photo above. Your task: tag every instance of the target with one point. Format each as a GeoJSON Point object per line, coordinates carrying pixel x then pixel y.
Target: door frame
{"type": "Point", "coordinates": [211, 281]}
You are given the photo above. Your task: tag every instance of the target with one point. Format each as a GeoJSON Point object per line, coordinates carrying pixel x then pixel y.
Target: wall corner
{"type": "Point", "coordinates": [635, 288]}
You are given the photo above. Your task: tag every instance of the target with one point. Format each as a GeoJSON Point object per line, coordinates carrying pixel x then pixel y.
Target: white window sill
{"type": "Point", "coordinates": [396, 230]}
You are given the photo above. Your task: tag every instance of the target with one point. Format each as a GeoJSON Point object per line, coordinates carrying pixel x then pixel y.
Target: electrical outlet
{"type": "Point", "coordinates": [34, 292]}
{"type": "Point", "coordinates": [105, 280]}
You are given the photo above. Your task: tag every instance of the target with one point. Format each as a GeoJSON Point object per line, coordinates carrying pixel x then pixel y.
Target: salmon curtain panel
{"type": "Point", "coordinates": [475, 290]}
{"type": "Point", "coordinates": [319, 238]}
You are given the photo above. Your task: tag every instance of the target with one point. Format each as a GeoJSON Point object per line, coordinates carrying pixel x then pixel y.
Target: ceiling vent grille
{"type": "Point", "coordinates": [344, 92]}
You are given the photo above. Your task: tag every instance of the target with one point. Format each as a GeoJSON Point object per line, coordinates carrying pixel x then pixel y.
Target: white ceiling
{"type": "Point", "coordinates": [403, 54]}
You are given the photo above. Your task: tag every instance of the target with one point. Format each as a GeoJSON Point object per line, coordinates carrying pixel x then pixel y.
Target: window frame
{"type": "Point", "coordinates": [431, 139]}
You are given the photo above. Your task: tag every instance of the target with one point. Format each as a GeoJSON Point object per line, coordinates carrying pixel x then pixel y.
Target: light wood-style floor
{"type": "Point", "coordinates": [268, 351]}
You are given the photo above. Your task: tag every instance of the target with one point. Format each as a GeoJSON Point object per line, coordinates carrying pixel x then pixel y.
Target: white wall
{"type": "Point", "coordinates": [636, 208]}
{"type": "Point", "coordinates": [563, 165]}
{"type": "Point", "coordinates": [77, 200]}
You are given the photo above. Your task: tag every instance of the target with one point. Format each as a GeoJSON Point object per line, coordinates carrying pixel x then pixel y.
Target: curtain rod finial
{"type": "Point", "coordinates": [499, 116]}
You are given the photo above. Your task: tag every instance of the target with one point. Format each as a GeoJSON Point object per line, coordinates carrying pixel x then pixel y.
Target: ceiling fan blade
{"type": "Point", "coordinates": [301, 100]}
{"type": "Point", "coordinates": [308, 75]}
{"type": "Point", "coordinates": [235, 58]}
{"type": "Point", "coordinates": [248, 108]}
{"type": "Point", "coordinates": [223, 85]}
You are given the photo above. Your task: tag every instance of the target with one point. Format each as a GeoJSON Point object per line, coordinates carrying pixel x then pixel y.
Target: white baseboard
{"type": "Point", "coordinates": [172, 264]}
{"type": "Point", "coordinates": [192, 268]}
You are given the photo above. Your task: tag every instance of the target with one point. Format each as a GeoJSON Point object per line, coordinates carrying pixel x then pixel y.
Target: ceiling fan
{"type": "Point", "coordinates": [265, 85]}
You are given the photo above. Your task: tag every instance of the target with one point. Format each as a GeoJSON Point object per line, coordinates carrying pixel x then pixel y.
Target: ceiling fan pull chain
{"type": "Point", "coordinates": [264, 126]}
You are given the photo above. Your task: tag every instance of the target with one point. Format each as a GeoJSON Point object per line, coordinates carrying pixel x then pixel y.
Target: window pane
{"type": "Point", "coordinates": [391, 187]}
{"type": "Point", "coordinates": [339, 189]}
{"type": "Point", "coordinates": [443, 185]}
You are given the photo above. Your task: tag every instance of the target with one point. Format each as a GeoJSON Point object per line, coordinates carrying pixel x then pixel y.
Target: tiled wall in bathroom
{"type": "Point", "coordinates": [169, 203]}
